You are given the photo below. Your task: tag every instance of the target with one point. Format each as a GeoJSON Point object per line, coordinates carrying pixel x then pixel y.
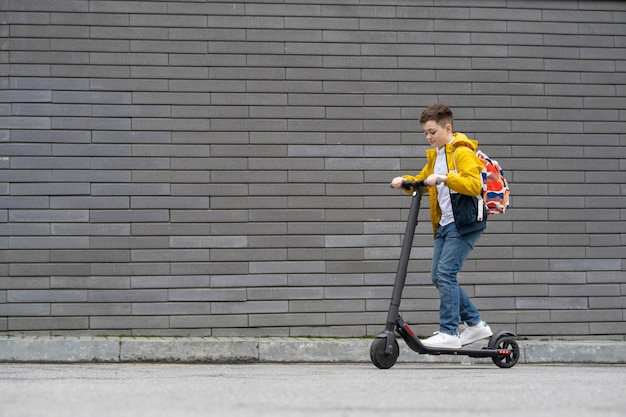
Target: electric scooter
{"type": "Point", "coordinates": [384, 351]}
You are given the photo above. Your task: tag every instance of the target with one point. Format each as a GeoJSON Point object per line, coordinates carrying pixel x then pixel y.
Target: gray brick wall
{"type": "Point", "coordinates": [221, 168]}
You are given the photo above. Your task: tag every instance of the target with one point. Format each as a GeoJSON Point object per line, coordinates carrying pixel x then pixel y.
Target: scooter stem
{"type": "Point", "coordinates": [396, 296]}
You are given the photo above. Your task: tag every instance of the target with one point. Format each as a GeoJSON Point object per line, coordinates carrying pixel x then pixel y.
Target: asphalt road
{"type": "Point", "coordinates": [295, 390]}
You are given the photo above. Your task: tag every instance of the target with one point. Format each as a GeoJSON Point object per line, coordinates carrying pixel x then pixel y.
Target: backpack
{"type": "Point", "coordinates": [495, 186]}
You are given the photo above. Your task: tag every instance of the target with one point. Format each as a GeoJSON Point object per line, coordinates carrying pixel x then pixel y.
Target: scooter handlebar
{"type": "Point", "coordinates": [407, 185]}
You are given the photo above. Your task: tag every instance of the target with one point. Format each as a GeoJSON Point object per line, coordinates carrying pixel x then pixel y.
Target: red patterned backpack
{"type": "Point", "coordinates": [495, 186]}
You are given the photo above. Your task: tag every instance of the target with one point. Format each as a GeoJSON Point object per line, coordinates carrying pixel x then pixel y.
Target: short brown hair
{"type": "Point", "coordinates": [438, 112]}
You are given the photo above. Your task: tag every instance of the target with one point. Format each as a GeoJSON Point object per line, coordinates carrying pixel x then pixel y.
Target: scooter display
{"type": "Point", "coordinates": [384, 351]}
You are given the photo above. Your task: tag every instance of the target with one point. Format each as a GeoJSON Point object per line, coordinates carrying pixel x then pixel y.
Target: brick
{"type": "Point", "coordinates": [606, 302]}
{"type": "Point", "coordinates": [25, 310]}
{"type": "Point", "coordinates": [217, 268]}
{"type": "Point", "coordinates": [32, 70]}
{"type": "Point", "coordinates": [170, 202]}
{"type": "Point", "coordinates": [294, 319]}
{"type": "Point", "coordinates": [591, 264]}
{"type": "Point", "coordinates": [209, 321]}
{"type": "Point", "coordinates": [112, 7]}
{"type": "Point", "coordinates": [47, 323]}
{"type": "Point", "coordinates": [130, 189]}
{"type": "Point", "coordinates": [51, 189]}
{"type": "Point", "coordinates": [284, 293]}
{"type": "Point", "coordinates": [131, 137]}
{"type": "Point", "coordinates": [552, 303]}
{"type": "Point", "coordinates": [90, 282]}
{"type": "Point", "coordinates": [577, 90]}
{"type": "Point", "coordinates": [161, 229]}
{"type": "Point", "coordinates": [213, 216]}
{"type": "Point", "coordinates": [129, 163]}
{"type": "Point", "coordinates": [94, 175]}
{"type": "Point", "coordinates": [170, 255]}
{"type": "Point", "coordinates": [134, 111]}
{"type": "Point", "coordinates": [89, 202]}
{"type": "Point", "coordinates": [208, 111]}
{"type": "Point", "coordinates": [28, 31]}
{"type": "Point", "coordinates": [322, 306]}
{"type": "Point", "coordinates": [24, 122]}
{"type": "Point", "coordinates": [24, 229]}
{"type": "Point", "coordinates": [172, 124]}
{"type": "Point", "coordinates": [91, 123]}
{"type": "Point", "coordinates": [51, 110]}
{"type": "Point", "coordinates": [42, 242]}
{"type": "Point", "coordinates": [90, 255]}
{"type": "Point", "coordinates": [169, 72]}
{"type": "Point", "coordinates": [286, 267]}
{"type": "Point", "coordinates": [217, 164]}
{"type": "Point", "coordinates": [326, 24]}
{"type": "Point", "coordinates": [53, 83]}
{"type": "Point", "coordinates": [207, 295]}
{"type": "Point", "coordinates": [51, 136]}
{"type": "Point", "coordinates": [90, 309]}
{"type": "Point", "coordinates": [131, 216]}
{"type": "Point", "coordinates": [290, 215]}
{"type": "Point", "coordinates": [126, 295]}
{"type": "Point", "coordinates": [23, 283]}
{"type": "Point", "coordinates": [170, 308]}
{"type": "Point", "coordinates": [46, 296]}
{"type": "Point", "coordinates": [90, 150]}
{"type": "Point", "coordinates": [293, 164]}
{"type": "Point", "coordinates": [611, 328]}
{"type": "Point", "coordinates": [126, 322]}
{"type": "Point", "coordinates": [109, 242]}
{"type": "Point", "coordinates": [180, 281]}
{"type": "Point", "coordinates": [553, 329]}
{"type": "Point", "coordinates": [125, 269]}
{"type": "Point", "coordinates": [208, 242]}
{"type": "Point", "coordinates": [100, 84]}
{"type": "Point", "coordinates": [249, 307]}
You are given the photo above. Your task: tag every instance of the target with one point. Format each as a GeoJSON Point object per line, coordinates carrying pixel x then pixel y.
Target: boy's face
{"type": "Point", "coordinates": [436, 134]}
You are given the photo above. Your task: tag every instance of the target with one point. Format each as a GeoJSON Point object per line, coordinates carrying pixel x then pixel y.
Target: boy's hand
{"type": "Point", "coordinates": [435, 179]}
{"type": "Point", "coordinates": [397, 183]}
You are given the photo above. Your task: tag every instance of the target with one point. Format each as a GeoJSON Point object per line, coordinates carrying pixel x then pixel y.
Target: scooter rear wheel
{"type": "Point", "coordinates": [510, 359]}
{"type": "Point", "coordinates": [379, 357]}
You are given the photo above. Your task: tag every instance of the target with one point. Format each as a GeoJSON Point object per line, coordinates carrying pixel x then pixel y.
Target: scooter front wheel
{"type": "Point", "coordinates": [380, 357]}
{"type": "Point", "coordinates": [511, 355]}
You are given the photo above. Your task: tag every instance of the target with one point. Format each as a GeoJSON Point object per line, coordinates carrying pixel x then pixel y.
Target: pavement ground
{"type": "Point", "coordinates": [310, 389]}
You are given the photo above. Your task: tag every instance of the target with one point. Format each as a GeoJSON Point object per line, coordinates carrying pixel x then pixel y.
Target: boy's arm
{"type": "Point", "coordinates": [397, 182]}
{"type": "Point", "coordinates": [467, 180]}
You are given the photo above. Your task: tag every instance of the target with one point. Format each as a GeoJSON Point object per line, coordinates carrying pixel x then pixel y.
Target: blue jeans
{"type": "Point", "coordinates": [451, 250]}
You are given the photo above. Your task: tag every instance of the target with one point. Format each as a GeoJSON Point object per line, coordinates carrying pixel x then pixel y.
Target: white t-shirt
{"type": "Point", "coordinates": [443, 192]}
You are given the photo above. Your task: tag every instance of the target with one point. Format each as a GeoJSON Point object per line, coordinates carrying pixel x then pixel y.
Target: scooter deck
{"type": "Point", "coordinates": [415, 344]}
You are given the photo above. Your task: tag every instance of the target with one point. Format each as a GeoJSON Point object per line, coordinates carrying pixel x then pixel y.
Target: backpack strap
{"type": "Point", "coordinates": [479, 197]}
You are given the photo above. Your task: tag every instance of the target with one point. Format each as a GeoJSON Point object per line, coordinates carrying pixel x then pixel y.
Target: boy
{"type": "Point", "coordinates": [453, 175]}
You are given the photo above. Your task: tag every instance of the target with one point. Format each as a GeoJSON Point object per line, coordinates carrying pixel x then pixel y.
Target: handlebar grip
{"type": "Point", "coordinates": [407, 185]}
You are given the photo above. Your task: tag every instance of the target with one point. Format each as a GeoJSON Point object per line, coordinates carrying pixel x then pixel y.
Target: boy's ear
{"type": "Point", "coordinates": [449, 127]}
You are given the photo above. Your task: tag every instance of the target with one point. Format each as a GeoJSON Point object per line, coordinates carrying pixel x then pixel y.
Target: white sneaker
{"type": "Point", "coordinates": [474, 333]}
{"type": "Point", "coordinates": [442, 340]}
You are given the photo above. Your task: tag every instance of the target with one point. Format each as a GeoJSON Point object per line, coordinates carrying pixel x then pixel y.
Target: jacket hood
{"type": "Point", "coordinates": [460, 139]}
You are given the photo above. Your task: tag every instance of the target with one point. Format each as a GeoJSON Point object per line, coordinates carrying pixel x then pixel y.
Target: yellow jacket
{"type": "Point", "coordinates": [464, 172]}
